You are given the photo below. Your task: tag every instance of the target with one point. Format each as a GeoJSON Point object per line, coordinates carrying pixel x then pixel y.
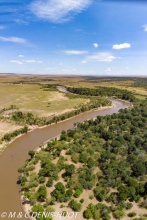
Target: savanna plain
{"type": "Point", "coordinates": [99, 169]}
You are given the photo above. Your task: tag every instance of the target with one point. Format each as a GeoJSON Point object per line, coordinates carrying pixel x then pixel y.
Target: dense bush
{"type": "Point", "coordinates": [104, 158]}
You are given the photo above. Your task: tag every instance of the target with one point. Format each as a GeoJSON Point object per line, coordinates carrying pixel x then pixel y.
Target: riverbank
{"type": "Point", "coordinates": [6, 127]}
{"type": "Point", "coordinates": [12, 127]}
{"type": "Point", "coordinates": [27, 205]}
{"type": "Point", "coordinates": [16, 153]}
{"type": "Point", "coordinates": [86, 196]}
{"type": "Point", "coordinates": [4, 144]}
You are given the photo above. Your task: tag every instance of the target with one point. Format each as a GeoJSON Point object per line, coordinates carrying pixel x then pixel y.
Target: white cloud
{"type": "Point", "coordinates": [121, 46]}
{"type": "Point", "coordinates": [75, 52]}
{"type": "Point", "coordinates": [83, 61]}
{"type": "Point", "coordinates": [58, 11]}
{"type": "Point", "coordinates": [2, 27]}
{"type": "Point", "coordinates": [16, 61]}
{"type": "Point", "coordinates": [14, 40]}
{"type": "Point", "coordinates": [95, 45]}
{"type": "Point", "coordinates": [39, 61]}
{"type": "Point", "coordinates": [145, 27]}
{"type": "Point", "coordinates": [101, 57]}
{"type": "Point", "coordinates": [108, 69]}
{"type": "Point", "coordinates": [30, 61]}
{"type": "Point", "coordinates": [21, 55]}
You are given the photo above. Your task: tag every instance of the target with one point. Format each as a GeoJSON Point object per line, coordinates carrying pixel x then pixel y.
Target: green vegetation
{"type": "Point", "coordinates": [12, 107]}
{"type": "Point", "coordinates": [100, 168]}
{"type": "Point", "coordinates": [104, 91]}
{"type": "Point", "coordinates": [106, 157]}
{"type": "Point", "coordinates": [70, 104]}
{"type": "Point", "coordinates": [134, 84]}
{"type": "Point", "coordinates": [30, 119]}
{"type": "Point", "coordinates": [38, 99]}
{"type": "Point", "coordinates": [140, 83]}
{"type": "Point", "coordinates": [9, 136]}
{"type": "Point", "coordinates": [31, 153]}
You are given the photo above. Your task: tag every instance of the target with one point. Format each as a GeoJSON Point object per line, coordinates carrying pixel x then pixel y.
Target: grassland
{"type": "Point", "coordinates": [94, 82]}
{"type": "Point", "coordinates": [26, 93]}
{"type": "Point", "coordinates": [79, 81]}
{"type": "Point", "coordinates": [30, 97]}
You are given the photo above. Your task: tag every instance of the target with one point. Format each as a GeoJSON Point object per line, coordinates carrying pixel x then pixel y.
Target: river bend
{"type": "Point", "coordinates": [17, 152]}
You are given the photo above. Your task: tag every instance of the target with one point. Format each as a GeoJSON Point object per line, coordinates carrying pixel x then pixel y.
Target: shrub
{"type": "Point", "coordinates": [75, 206]}
{"type": "Point", "coordinates": [82, 200]}
{"type": "Point", "coordinates": [41, 179]}
{"type": "Point", "coordinates": [131, 214]}
{"type": "Point", "coordinates": [77, 193]}
{"type": "Point", "coordinates": [49, 182]}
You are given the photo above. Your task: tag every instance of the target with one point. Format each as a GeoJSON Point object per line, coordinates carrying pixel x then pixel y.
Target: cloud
{"type": "Point", "coordinates": [2, 27]}
{"type": "Point", "coordinates": [83, 61]}
{"type": "Point", "coordinates": [16, 61]}
{"type": "Point", "coordinates": [19, 21]}
{"type": "Point", "coordinates": [75, 52]}
{"type": "Point", "coordinates": [30, 61]}
{"type": "Point", "coordinates": [95, 45]}
{"type": "Point", "coordinates": [13, 39]}
{"type": "Point", "coordinates": [39, 61]}
{"type": "Point", "coordinates": [21, 55]}
{"type": "Point", "coordinates": [58, 11]}
{"type": "Point", "coordinates": [108, 69]}
{"type": "Point", "coordinates": [101, 57]}
{"type": "Point", "coordinates": [121, 46]}
{"type": "Point", "coordinates": [145, 27]}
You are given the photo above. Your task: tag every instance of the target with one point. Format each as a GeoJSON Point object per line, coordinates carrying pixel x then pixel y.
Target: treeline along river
{"type": "Point", "coordinates": [17, 152]}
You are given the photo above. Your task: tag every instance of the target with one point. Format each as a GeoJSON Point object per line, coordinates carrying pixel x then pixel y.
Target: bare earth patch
{"type": "Point", "coordinates": [57, 96]}
{"type": "Point", "coordinates": [6, 127]}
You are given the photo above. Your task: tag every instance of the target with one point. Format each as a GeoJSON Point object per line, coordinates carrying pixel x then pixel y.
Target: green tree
{"type": "Point", "coordinates": [88, 214]}
{"type": "Point", "coordinates": [69, 193]}
{"type": "Point", "coordinates": [69, 169]}
{"type": "Point", "coordinates": [138, 169]}
{"type": "Point", "coordinates": [75, 206]}
{"type": "Point", "coordinates": [77, 193]}
{"type": "Point", "coordinates": [41, 193]}
{"type": "Point", "coordinates": [37, 208]}
{"type": "Point", "coordinates": [60, 187]}
{"type": "Point", "coordinates": [119, 214]}
{"type": "Point", "coordinates": [31, 153]}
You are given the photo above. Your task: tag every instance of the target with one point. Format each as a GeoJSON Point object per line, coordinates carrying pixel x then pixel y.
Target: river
{"type": "Point", "coordinates": [17, 152]}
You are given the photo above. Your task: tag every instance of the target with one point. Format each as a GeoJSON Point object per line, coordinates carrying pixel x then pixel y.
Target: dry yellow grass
{"type": "Point", "coordinates": [77, 81]}
{"type": "Point", "coordinates": [30, 97]}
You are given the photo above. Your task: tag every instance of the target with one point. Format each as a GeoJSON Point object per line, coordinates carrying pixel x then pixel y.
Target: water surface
{"type": "Point", "coordinates": [17, 152]}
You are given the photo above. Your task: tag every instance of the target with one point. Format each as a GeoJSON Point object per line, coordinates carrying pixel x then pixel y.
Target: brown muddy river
{"type": "Point", "coordinates": [17, 152]}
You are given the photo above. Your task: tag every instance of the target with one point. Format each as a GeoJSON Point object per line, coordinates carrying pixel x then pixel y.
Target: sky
{"type": "Point", "coordinates": [74, 37]}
